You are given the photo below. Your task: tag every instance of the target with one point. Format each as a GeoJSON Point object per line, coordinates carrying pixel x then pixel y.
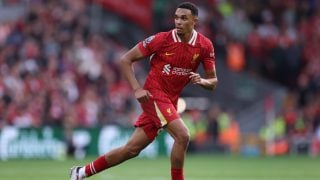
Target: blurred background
{"type": "Point", "coordinates": [62, 94]}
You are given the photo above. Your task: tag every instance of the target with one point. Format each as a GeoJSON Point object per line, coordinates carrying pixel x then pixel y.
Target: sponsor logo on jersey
{"type": "Point", "coordinates": [194, 58]}
{"type": "Point", "coordinates": [167, 69]}
{"type": "Point", "coordinates": [147, 41]}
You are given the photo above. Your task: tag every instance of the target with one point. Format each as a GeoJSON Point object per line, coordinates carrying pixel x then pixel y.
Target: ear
{"type": "Point", "coordinates": [195, 20]}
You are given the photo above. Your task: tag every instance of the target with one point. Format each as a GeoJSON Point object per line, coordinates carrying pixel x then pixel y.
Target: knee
{"type": "Point", "coordinates": [183, 138]}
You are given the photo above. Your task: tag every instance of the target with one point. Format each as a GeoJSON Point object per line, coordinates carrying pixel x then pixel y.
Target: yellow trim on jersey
{"type": "Point", "coordinates": [163, 120]}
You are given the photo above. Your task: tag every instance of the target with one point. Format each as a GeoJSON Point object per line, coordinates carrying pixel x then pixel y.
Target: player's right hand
{"type": "Point", "coordinates": [142, 95]}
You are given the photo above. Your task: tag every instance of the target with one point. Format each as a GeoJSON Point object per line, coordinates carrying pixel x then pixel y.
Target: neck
{"type": "Point", "coordinates": [185, 37]}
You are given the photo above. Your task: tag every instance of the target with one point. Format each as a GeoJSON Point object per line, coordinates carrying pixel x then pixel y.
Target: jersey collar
{"type": "Point", "coordinates": [192, 40]}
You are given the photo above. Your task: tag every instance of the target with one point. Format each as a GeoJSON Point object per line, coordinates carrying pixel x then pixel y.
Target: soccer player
{"type": "Point", "coordinates": [175, 56]}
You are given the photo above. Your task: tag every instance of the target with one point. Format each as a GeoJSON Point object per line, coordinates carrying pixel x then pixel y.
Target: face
{"type": "Point", "coordinates": [184, 21]}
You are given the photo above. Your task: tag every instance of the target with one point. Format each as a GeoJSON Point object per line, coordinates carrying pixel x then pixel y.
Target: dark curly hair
{"type": "Point", "coordinates": [188, 5]}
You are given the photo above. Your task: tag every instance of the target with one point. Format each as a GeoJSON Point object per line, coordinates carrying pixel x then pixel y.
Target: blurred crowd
{"type": "Point", "coordinates": [274, 40]}
{"type": "Point", "coordinates": [56, 71]}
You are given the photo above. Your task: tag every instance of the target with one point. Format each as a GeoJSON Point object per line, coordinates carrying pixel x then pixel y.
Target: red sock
{"type": "Point", "coordinates": [96, 166]}
{"type": "Point", "coordinates": [177, 174]}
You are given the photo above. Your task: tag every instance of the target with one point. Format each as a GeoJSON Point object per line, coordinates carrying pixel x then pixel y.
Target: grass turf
{"type": "Point", "coordinates": [198, 167]}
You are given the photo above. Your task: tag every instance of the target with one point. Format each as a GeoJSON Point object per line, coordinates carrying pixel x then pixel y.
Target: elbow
{"type": "Point", "coordinates": [214, 87]}
{"type": "Point", "coordinates": [124, 62]}
{"type": "Point", "coordinates": [210, 84]}
{"type": "Point", "coordinates": [214, 84]}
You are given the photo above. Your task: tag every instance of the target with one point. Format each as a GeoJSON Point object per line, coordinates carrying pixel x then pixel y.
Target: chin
{"type": "Point", "coordinates": [179, 31]}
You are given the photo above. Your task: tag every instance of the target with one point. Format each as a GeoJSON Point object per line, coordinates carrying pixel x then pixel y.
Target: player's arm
{"type": "Point", "coordinates": [209, 82]}
{"type": "Point", "coordinates": [126, 62]}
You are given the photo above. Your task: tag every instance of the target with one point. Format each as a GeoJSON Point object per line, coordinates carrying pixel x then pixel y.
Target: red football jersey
{"type": "Point", "coordinates": [172, 61]}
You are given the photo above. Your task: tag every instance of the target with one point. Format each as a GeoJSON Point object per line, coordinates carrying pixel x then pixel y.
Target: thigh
{"type": "Point", "coordinates": [150, 128]}
{"type": "Point", "coordinates": [177, 128]}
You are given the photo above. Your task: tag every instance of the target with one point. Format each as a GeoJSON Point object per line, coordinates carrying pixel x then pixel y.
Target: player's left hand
{"type": "Point", "coordinates": [195, 78]}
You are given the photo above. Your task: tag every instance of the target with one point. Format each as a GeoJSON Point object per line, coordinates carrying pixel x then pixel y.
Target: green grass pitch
{"type": "Point", "coordinates": [198, 167]}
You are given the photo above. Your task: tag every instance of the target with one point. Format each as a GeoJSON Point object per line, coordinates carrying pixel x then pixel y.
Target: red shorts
{"type": "Point", "coordinates": [155, 116]}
